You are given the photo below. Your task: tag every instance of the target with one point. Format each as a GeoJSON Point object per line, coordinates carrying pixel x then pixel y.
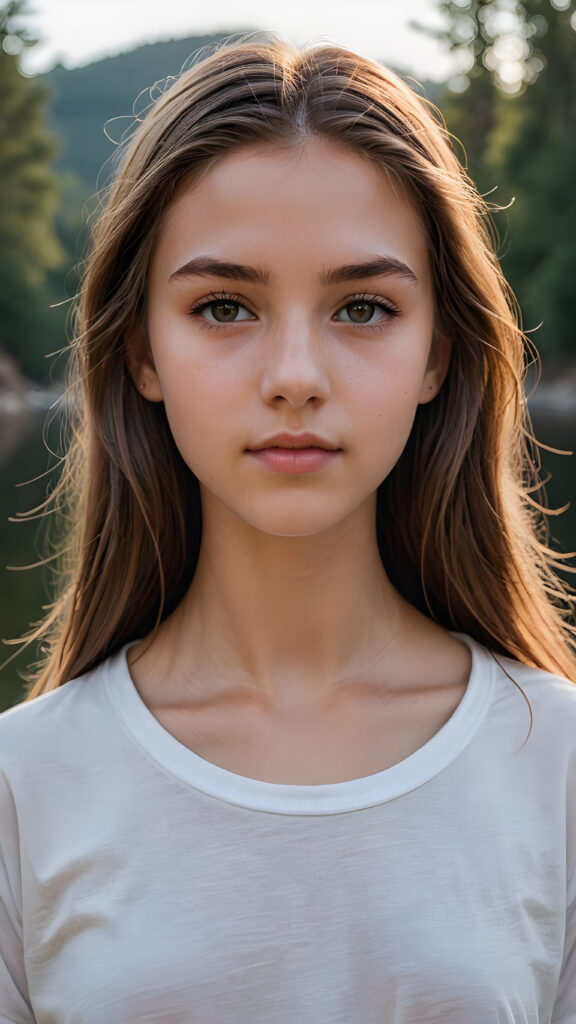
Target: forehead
{"type": "Point", "coordinates": [314, 198]}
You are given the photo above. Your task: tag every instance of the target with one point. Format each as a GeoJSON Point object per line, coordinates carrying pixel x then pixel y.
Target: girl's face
{"type": "Point", "coordinates": [320, 319]}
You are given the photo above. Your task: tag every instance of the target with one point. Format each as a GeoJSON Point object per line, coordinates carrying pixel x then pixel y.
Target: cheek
{"type": "Point", "coordinates": [386, 407]}
{"type": "Point", "coordinates": [193, 420]}
{"type": "Point", "coordinates": [390, 390]}
{"type": "Point", "coordinates": [200, 407]}
{"type": "Point", "coordinates": [187, 366]}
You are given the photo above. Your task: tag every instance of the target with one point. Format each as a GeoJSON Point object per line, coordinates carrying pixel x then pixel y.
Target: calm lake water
{"type": "Point", "coordinates": [24, 458]}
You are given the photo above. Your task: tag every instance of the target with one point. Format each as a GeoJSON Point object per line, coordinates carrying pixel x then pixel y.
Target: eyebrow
{"type": "Point", "coordinates": [210, 266]}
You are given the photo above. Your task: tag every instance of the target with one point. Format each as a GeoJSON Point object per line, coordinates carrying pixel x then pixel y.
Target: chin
{"type": "Point", "coordinates": [288, 515]}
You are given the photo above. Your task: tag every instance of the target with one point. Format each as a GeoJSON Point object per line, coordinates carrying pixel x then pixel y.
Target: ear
{"type": "Point", "coordinates": [437, 367]}
{"type": "Point", "coordinates": [140, 365]}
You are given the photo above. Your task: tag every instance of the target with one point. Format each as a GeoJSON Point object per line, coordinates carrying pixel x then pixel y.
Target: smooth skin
{"type": "Point", "coordinates": [292, 658]}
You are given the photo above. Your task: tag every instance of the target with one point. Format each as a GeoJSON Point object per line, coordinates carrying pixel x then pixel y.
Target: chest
{"type": "Point", "coordinates": [404, 917]}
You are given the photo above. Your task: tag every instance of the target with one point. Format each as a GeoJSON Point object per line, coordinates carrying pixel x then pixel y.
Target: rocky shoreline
{"type": "Point", "coordinates": [20, 396]}
{"type": "Point", "coordinates": [555, 395]}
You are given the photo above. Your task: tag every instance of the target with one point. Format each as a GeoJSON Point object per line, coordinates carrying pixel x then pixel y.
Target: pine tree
{"type": "Point", "coordinates": [538, 162]}
{"type": "Point", "coordinates": [512, 102]}
{"type": "Point", "coordinates": [28, 196]}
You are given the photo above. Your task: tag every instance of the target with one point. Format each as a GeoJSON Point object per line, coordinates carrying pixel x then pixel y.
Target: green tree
{"type": "Point", "coordinates": [29, 247]}
{"type": "Point", "coordinates": [537, 162]}
{"type": "Point", "coordinates": [512, 102]}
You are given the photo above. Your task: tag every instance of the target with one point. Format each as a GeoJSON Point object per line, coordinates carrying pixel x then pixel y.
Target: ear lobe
{"type": "Point", "coordinates": [141, 366]}
{"type": "Point", "coordinates": [437, 368]}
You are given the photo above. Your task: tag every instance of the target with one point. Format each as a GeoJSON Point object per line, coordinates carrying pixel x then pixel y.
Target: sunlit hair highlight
{"type": "Point", "coordinates": [459, 532]}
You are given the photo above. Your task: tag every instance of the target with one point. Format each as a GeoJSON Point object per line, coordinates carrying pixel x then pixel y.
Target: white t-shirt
{"type": "Point", "coordinates": [140, 883]}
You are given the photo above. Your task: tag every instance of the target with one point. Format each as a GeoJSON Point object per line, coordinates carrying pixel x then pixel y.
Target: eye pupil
{"type": "Point", "coordinates": [229, 309]}
{"type": "Point", "coordinates": [360, 311]}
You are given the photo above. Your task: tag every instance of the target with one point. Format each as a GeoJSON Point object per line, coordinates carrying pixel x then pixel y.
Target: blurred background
{"type": "Point", "coordinates": [504, 76]}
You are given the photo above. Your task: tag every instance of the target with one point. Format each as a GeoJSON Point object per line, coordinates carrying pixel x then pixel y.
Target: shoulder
{"type": "Point", "coordinates": [47, 727]}
{"type": "Point", "coordinates": [549, 701]}
{"type": "Point", "coordinates": [545, 687]}
{"type": "Point", "coordinates": [516, 695]}
{"type": "Point", "coordinates": [60, 757]}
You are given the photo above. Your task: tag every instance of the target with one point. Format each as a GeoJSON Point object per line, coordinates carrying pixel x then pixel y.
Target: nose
{"type": "Point", "coordinates": [295, 365]}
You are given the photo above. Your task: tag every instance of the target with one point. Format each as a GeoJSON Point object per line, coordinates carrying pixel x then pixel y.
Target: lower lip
{"type": "Point", "coordinates": [295, 460]}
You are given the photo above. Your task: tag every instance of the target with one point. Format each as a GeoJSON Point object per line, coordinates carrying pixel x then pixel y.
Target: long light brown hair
{"type": "Point", "coordinates": [459, 532]}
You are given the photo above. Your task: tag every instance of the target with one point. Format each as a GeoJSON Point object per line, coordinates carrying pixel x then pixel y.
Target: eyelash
{"type": "Point", "coordinates": [373, 300]}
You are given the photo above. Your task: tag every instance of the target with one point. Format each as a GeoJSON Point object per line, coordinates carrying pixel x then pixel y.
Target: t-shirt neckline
{"type": "Point", "coordinates": [331, 798]}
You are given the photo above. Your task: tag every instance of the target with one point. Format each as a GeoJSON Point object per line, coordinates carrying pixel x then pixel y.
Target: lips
{"type": "Point", "coordinates": [295, 441]}
{"type": "Point", "coordinates": [294, 461]}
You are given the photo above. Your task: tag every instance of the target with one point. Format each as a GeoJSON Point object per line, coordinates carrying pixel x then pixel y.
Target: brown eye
{"type": "Point", "coordinates": [224, 311]}
{"type": "Point", "coordinates": [360, 312]}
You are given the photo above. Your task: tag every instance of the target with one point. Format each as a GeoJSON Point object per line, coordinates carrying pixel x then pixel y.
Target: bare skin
{"type": "Point", "coordinates": [292, 658]}
{"type": "Point", "coordinates": [373, 719]}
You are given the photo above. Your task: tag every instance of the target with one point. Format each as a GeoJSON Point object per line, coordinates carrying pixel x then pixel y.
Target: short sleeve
{"type": "Point", "coordinates": [565, 1004]}
{"type": "Point", "coordinates": [15, 1006]}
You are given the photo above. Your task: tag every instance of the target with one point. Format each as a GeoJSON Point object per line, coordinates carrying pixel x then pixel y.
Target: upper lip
{"type": "Point", "coordinates": [294, 441]}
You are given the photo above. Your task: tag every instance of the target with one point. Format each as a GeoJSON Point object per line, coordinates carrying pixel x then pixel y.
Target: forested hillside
{"type": "Point", "coordinates": [84, 99]}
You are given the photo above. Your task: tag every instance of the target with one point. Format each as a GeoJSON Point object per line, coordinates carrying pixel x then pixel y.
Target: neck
{"type": "Point", "coordinates": [286, 617]}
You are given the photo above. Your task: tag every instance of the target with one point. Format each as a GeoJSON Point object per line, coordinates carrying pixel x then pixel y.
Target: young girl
{"type": "Point", "coordinates": [303, 744]}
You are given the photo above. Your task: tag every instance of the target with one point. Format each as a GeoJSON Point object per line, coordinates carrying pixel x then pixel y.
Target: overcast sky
{"type": "Point", "coordinates": [79, 31]}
